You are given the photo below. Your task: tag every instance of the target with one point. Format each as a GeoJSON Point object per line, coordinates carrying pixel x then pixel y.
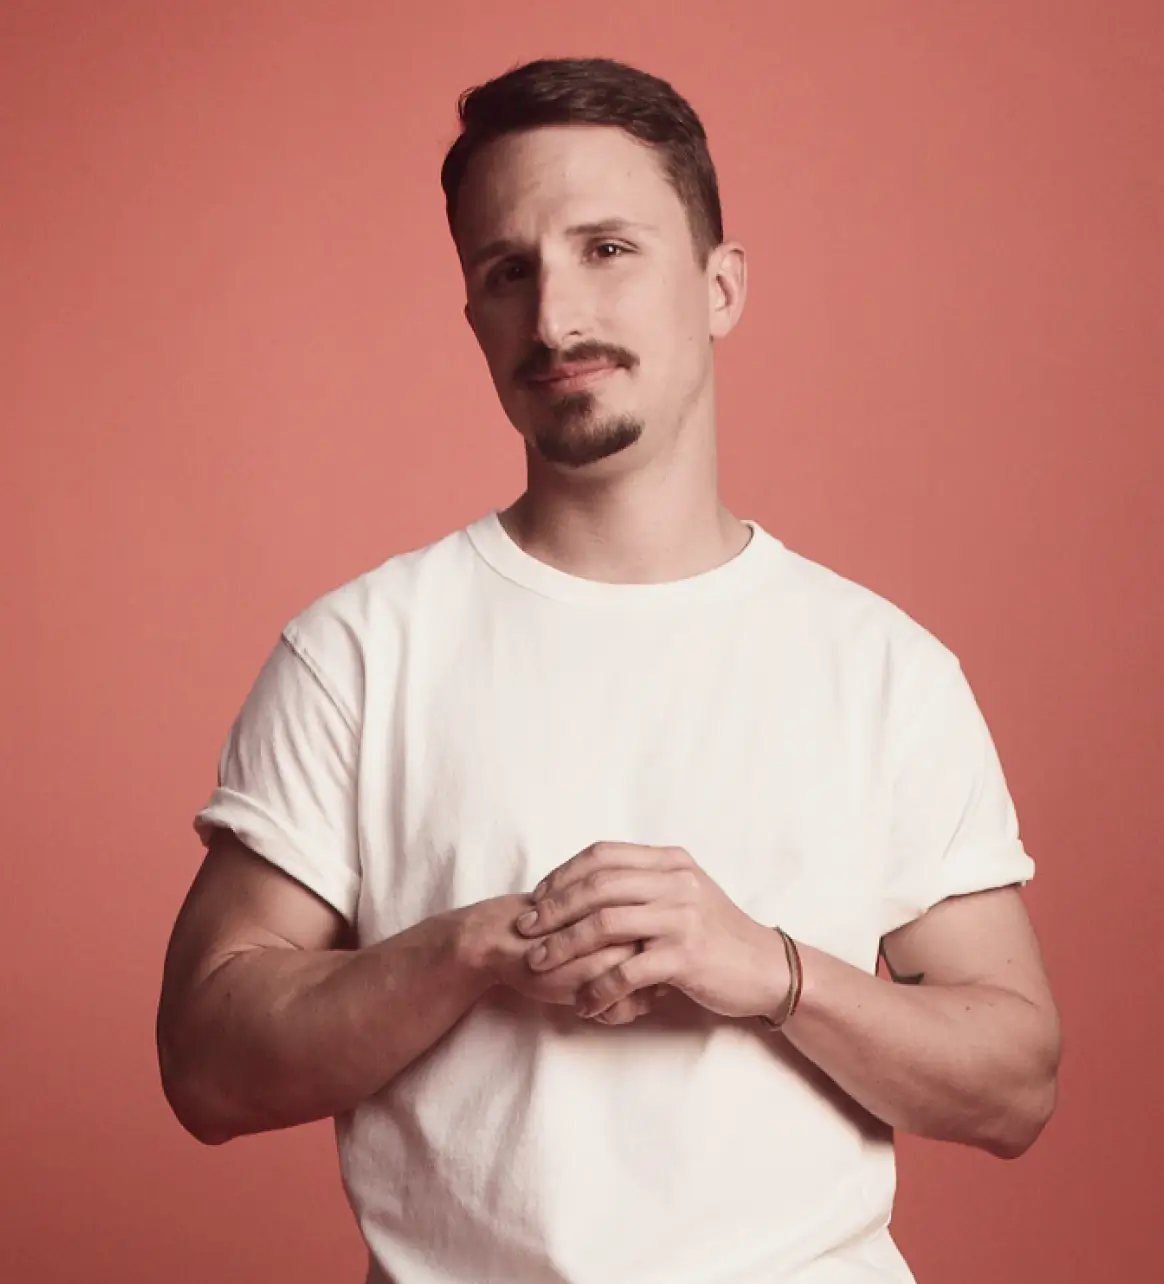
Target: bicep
{"type": "Point", "coordinates": [240, 901]}
{"type": "Point", "coordinates": [982, 938]}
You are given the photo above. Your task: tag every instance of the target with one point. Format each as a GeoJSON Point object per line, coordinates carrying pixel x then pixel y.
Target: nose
{"type": "Point", "coordinates": [560, 306]}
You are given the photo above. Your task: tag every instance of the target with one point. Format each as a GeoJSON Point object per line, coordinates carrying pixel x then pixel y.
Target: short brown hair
{"type": "Point", "coordinates": [594, 91]}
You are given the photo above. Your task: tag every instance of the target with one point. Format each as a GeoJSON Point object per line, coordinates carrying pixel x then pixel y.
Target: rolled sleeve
{"type": "Point", "coordinates": [287, 779]}
{"type": "Point", "coordinates": [953, 827]}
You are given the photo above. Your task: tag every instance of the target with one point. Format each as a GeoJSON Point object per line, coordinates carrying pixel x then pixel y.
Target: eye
{"type": "Point", "coordinates": [507, 272]}
{"type": "Point", "coordinates": [609, 250]}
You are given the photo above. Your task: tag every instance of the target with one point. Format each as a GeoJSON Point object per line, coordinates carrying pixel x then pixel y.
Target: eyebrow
{"type": "Point", "coordinates": [603, 227]}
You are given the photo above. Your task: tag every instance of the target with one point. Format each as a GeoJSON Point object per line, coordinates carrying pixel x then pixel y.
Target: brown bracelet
{"type": "Point", "coordinates": [795, 983]}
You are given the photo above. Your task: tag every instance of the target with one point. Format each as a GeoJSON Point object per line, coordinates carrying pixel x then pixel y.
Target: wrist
{"type": "Point", "coordinates": [476, 945]}
{"type": "Point", "coordinates": [769, 985]}
{"type": "Point", "coordinates": [788, 979]}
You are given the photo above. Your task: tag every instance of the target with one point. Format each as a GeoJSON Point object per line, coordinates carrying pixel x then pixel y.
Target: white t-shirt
{"type": "Point", "coordinates": [458, 722]}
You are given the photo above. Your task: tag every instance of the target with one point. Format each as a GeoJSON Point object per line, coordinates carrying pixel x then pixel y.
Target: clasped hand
{"type": "Point", "coordinates": [686, 932]}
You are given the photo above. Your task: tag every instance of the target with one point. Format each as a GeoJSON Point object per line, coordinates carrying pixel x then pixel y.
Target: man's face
{"type": "Point", "coordinates": [584, 291]}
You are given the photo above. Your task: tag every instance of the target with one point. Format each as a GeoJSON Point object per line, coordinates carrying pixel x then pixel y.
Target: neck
{"type": "Point", "coordinates": [622, 524]}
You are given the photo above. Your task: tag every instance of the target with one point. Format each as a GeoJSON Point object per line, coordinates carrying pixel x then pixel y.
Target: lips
{"type": "Point", "coordinates": [564, 378]}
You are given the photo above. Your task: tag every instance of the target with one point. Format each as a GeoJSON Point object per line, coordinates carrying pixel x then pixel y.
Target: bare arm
{"type": "Point", "coordinates": [967, 1051]}
{"type": "Point", "coordinates": [269, 1018]}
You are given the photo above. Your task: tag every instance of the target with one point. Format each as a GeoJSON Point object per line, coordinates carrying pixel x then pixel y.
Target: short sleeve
{"type": "Point", "coordinates": [953, 828]}
{"type": "Point", "coordinates": [287, 778]}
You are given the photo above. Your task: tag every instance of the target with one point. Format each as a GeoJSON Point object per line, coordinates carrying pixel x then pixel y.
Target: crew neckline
{"type": "Point", "coordinates": [499, 550]}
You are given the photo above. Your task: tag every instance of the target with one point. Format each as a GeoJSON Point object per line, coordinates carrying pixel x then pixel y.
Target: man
{"type": "Point", "coordinates": [554, 860]}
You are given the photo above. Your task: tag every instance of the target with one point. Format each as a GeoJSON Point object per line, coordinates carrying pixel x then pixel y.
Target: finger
{"type": "Point", "coordinates": [611, 856]}
{"type": "Point", "coordinates": [655, 966]}
{"type": "Point", "coordinates": [617, 925]}
{"type": "Point", "coordinates": [572, 977]}
{"type": "Point", "coordinates": [600, 889]}
{"type": "Point", "coordinates": [625, 1011]}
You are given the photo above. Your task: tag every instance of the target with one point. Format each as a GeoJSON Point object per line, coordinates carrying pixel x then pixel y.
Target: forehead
{"type": "Point", "coordinates": [540, 180]}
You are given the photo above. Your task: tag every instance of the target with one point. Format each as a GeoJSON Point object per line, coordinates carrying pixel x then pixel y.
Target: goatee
{"type": "Point", "coordinates": [575, 439]}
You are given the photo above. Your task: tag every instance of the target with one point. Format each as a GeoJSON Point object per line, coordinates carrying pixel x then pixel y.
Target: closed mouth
{"type": "Point", "coordinates": [571, 375]}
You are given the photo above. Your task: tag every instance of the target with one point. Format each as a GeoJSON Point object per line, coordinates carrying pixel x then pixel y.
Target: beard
{"type": "Point", "coordinates": [575, 438]}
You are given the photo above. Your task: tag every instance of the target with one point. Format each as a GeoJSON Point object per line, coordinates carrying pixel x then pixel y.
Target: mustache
{"type": "Point", "coordinates": [542, 361]}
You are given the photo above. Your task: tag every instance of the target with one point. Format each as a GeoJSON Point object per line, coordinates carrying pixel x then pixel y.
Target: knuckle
{"type": "Point", "coordinates": [603, 880]}
{"type": "Point", "coordinates": [605, 923]}
{"type": "Point", "coordinates": [607, 853]}
{"type": "Point", "coordinates": [688, 881]}
{"type": "Point", "coordinates": [596, 880]}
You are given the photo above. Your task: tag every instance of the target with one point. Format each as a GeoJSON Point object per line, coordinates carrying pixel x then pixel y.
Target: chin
{"type": "Point", "coordinates": [576, 432]}
{"type": "Point", "coordinates": [578, 446]}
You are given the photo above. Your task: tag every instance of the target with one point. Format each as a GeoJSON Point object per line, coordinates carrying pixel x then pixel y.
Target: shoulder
{"type": "Point", "coordinates": [858, 618]}
{"type": "Point", "coordinates": [875, 655]}
{"type": "Point", "coordinates": [368, 615]}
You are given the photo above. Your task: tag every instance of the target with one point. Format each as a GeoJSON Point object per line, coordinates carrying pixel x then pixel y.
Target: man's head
{"type": "Point", "coordinates": [584, 206]}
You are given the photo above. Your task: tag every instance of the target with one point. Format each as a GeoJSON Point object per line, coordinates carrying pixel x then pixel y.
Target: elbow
{"type": "Point", "coordinates": [190, 1104]}
{"type": "Point", "coordinates": [209, 1135]}
{"type": "Point", "coordinates": [1017, 1128]}
{"type": "Point", "coordinates": [1021, 1117]}
{"type": "Point", "coordinates": [200, 1124]}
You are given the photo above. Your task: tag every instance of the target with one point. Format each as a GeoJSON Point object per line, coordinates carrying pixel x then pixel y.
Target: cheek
{"type": "Point", "coordinates": [677, 333]}
{"type": "Point", "coordinates": [692, 332]}
{"type": "Point", "coordinates": [495, 339]}
{"type": "Point", "coordinates": [672, 307]}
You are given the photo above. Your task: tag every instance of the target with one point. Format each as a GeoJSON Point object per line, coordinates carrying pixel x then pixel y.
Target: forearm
{"type": "Point", "coordinates": [968, 1063]}
{"type": "Point", "coordinates": [277, 1036]}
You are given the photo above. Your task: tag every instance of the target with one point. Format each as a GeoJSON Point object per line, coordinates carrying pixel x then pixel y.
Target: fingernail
{"type": "Point", "coordinates": [539, 890]}
{"type": "Point", "coordinates": [527, 920]}
{"type": "Point", "coordinates": [538, 955]}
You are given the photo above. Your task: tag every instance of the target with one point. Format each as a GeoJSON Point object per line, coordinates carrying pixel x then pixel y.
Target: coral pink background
{"type": "Point", "coordinates": [236, 374]}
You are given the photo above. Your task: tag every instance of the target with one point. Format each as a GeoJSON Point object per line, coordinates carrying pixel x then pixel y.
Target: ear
{"type": "Point", "coordinates": [727, 286]}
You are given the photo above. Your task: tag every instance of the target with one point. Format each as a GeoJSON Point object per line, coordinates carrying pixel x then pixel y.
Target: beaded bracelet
{"type": "Point", "coordinates": [795, 983]}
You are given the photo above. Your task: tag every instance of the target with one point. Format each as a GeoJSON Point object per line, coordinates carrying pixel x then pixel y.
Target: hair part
{"type": "Point", "coordinates": [594, 91]}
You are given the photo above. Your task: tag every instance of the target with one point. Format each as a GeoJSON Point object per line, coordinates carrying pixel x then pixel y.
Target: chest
{"type": "Point", "coordinates": [512, 751]}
